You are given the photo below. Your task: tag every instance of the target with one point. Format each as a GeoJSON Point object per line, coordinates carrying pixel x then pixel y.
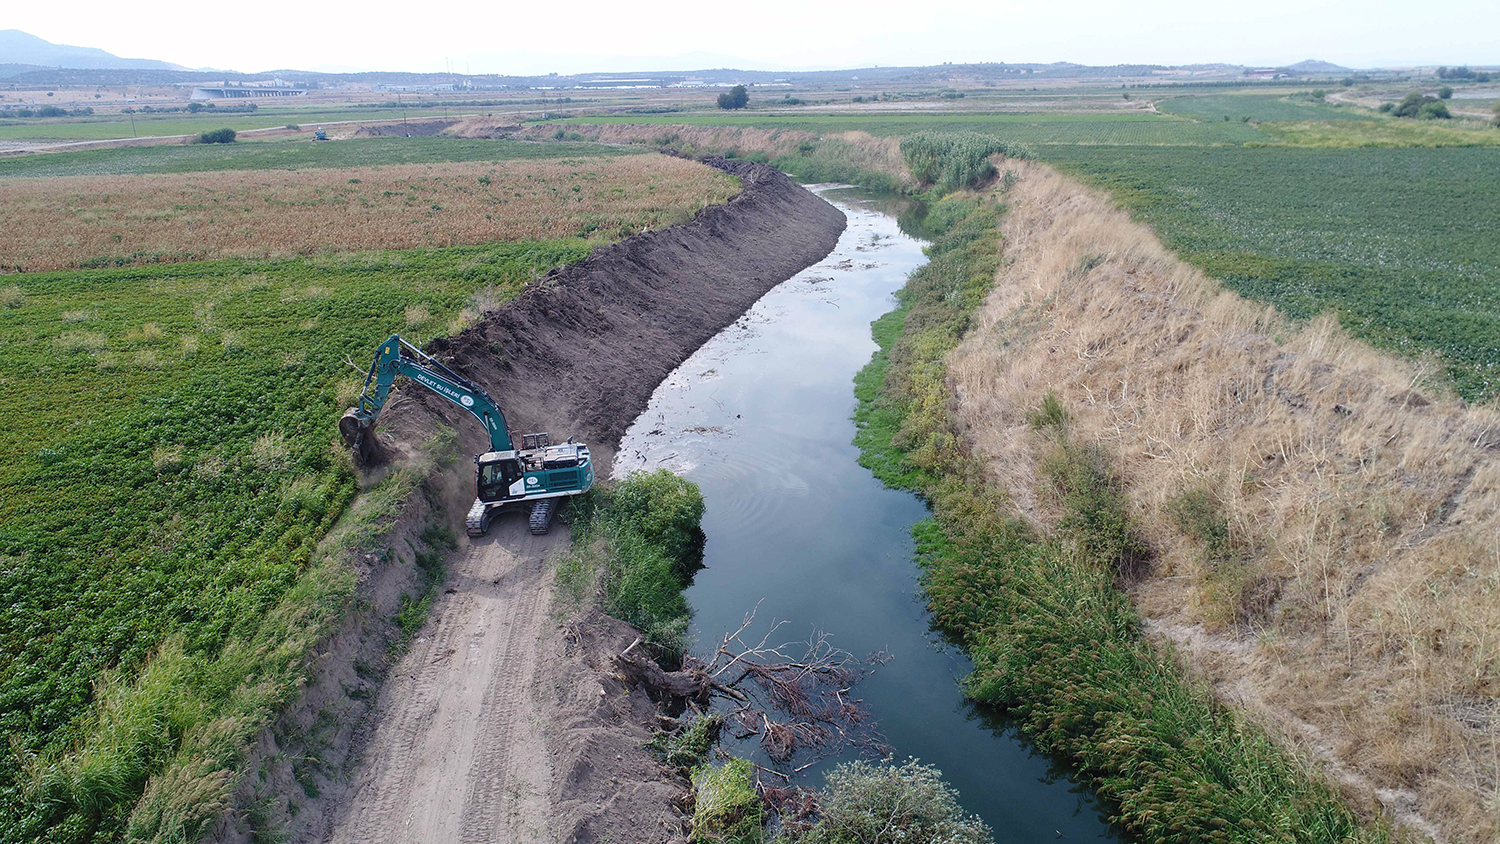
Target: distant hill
{"type": "Point", "coordinates": [20, 48]}
{"type": "Point", "coordinates": [1316, 66]}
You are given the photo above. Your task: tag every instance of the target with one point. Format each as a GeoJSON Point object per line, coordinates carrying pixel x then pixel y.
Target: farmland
{"type": "Point", "coordinates": [170, 467]}
{"type": "Point", "coordinates": [1401, 243]}
{"type": "Point", "coordinates": [1308, 205]}
{"type": "Point", "coordinates": [290, 155]}
{"type": "Point", "coordinates": [92, 221]}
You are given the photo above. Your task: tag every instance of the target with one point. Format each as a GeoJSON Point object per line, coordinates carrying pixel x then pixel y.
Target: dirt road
{"type": "Point", "coordinates": [458, 753]}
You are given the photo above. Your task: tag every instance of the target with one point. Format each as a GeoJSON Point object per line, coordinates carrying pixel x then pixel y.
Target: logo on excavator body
{"type": "Point", "coordinates": [466, 401]}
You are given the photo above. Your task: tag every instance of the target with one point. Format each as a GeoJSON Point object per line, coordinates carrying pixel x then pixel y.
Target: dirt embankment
{"type": "Point", "coordinates": [501, 721]}
{"type": "Point", "coordinates": [1325, 533]}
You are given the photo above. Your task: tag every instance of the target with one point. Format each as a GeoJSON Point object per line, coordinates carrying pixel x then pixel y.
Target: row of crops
{"type": "Point", "coordinates": [169, 463]}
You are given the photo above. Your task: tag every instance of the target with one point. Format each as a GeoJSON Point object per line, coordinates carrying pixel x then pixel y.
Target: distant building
{"type": "Point", "coordinates": [246, 90]}
{"type": "Point", "coordinates": [449, 86]}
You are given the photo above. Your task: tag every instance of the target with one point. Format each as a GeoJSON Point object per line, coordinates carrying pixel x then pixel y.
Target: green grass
{"type": "Point", "coordinates": [167, 470]}
{"type": "Point", "coordinates": [1401, 243]}
{"type": "Point", "coordinates": [1259, 108]}
{"type": "Point", "coordinates": [100, 127]}
{"type": "Point", "coordinates": [288, 155]}
{"type": "Point", "coordinates": [1087, 128]}
{"type": "Point", "coordinates": [1054, 640]}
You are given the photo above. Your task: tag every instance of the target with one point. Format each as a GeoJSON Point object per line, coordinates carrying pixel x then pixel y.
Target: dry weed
{"type": "Point", "coordinates": [1354, 597]}
{"type": "Point", "coordinates": [60, 223]}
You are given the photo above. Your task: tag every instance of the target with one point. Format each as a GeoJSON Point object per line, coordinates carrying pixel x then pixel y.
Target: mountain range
{"type": "Point", "coordinates": [22, 48]}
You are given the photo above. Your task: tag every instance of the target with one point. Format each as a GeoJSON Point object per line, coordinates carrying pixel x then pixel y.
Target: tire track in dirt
{"type": "Point", "coordinates": [457, 752]}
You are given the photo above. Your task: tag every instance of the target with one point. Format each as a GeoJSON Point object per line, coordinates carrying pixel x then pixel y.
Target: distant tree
{"type": "Point", "coordinates": [217, 136]}
{"type": "Point", "coordinates": [195, 107]}
{"type": "Point", "coordinates": [1435, 110]}
{"type": "Point", "coordinates": [737, 97]}
{"type": "Point", "coordinates": [1497, 115]}
{"type": "Point", "coordinates": [1445, 93]}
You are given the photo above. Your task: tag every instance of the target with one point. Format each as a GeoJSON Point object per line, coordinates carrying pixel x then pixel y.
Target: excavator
{"type": "Point", "coordinates": [538, 475]}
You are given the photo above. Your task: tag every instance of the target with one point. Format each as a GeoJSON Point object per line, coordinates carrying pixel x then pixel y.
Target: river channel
{"type": "Point", "coordinates": [760, 419]}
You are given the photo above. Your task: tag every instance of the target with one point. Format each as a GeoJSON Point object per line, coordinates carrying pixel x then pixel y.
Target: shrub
{"type": "Point", "coordinates": [1420, 106]}
{"type": "Point", "coordinates": [1433, 111]}
{"type": "Point", "coordinates": [217, 136]}
{"type": "Point", "coordinates": [12, 296]}
{"type": "Point", "coordinates": [1445, 93]}
{"type": "Point", "coordinates": [736, 97]}
{"type": "Point", "coordinates": [639, 542]}
{"type": "Point", "coordinates": [949, 161]}
{"type": "Point", "coordinates": [865, 802]}
{"type": "Point", "coordinates": [727, 809]}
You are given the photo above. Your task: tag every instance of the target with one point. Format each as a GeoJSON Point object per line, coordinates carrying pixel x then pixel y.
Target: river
{"type": "Point", "coordinates": [760, 419]}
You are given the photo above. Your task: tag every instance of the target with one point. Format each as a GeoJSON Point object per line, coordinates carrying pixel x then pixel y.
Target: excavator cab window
{"type": "Point", "coordinates": [496, 477]}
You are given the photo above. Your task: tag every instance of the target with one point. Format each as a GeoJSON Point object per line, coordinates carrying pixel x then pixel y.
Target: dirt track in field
{"type": "Point", "coordinates": [503, 721]}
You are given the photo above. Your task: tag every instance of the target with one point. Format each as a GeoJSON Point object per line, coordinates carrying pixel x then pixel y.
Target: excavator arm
{"type": "Point", "coordinates": [398, 357]}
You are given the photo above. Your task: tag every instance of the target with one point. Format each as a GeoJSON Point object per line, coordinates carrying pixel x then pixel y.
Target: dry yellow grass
{"type": "Point", "coordinates": [58, 223]}
{"type": "Point", "coordinates": [1355, 606]}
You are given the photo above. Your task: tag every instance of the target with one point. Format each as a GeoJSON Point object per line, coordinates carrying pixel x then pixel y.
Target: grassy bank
{"type": "Point", "coordinates": [637, 543]}
{"type": "Point", "coordinates": [1054, 639]}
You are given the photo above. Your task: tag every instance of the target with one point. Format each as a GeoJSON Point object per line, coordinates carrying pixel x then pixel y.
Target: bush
{"type": "Point", "coordinates": [1445, 93]}
{"type": "Point", "coordinates": [865, 802]}
{"type": "Point", "coordinates": [736, 97]}
{"type": "Point", "coordinates": [949, 161]}
{"type": "Point", "coordinates": [217, 136]}
{"type": "Point", "coordinates": [1418, 105]}
{"type": "Point", "coordinates": [11, 296]}
{"type": "Point", "coordinates": [1433, 111]}
{"type": "Point", "coordinates": [638, 542]}
{"type": "Point", "coordinates": [726, 808]}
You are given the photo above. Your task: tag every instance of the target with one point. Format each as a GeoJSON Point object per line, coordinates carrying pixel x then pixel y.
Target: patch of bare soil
{"type": "Point", "coordinates": [406, 129]}
{"type": "Point", "coordinates": [503, 721]}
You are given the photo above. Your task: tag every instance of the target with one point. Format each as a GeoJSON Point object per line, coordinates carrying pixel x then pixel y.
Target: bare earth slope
{"type": "Point", "coordinates": [501, 721]}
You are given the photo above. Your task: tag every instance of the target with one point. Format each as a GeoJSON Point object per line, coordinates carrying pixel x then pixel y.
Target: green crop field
{"type": "Point", "coordinates": [169, 465]}
{"type": "Point", "coordinates": [100, 127]}
{"type": "Point", "coordinates": [1259, 108]}
{"type": "Point", "coordinates": [1134, 127]}
{"type": "Point", "coordinates": [1403, 243]}
{"type": "Point", "coordinates": [287, 155]}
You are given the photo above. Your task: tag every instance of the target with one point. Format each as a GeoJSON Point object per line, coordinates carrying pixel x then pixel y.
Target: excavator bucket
{"type": "Point", "coordinates": [359, 435]}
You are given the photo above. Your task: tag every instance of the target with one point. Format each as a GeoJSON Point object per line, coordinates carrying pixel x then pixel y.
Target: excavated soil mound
{"type": "Point", "coordinates": [580, 352]}
{"type": "Point", "coordinates": [410, 129]}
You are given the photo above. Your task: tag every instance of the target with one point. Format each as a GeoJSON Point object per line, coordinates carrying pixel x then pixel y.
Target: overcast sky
{"type": "Point", "coordinates": [502, 36]}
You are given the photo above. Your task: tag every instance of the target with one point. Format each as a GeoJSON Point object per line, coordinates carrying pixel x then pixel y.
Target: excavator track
{"type": "Point", "coordinates": [477, 523]}
{"type": "Point", "coordinates": [541, 515]}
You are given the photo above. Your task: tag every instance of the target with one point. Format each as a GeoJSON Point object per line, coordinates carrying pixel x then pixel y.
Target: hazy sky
{"type": "Point", "coordinates": [585, 35]}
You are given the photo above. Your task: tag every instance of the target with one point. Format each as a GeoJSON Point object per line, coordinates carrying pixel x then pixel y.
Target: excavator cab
{"type": "Point", "coordinates": [498, 471]}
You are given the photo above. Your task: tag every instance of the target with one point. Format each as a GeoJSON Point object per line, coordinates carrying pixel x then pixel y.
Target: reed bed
{"type": "Point", "coordinates": [1323, 518]}
{"type": "Point", "coordinates": [100, 221]}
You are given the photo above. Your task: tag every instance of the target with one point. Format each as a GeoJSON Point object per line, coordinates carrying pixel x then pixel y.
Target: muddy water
{"type": "Point", "coordinates": [760, 419]}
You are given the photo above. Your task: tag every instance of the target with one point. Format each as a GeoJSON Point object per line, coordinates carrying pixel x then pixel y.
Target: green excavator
{"type": "Point", "coordinates": [537, 476]}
